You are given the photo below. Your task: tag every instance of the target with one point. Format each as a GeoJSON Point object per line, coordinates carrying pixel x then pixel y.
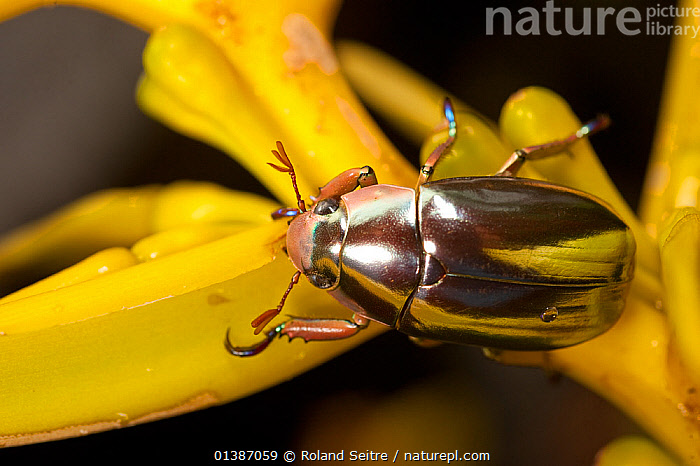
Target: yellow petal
{"type": "Point", "coordinates": [121, 217]}
{"type": "Point", "coordinates": [680, 256]}
{"type": "Point", "coordinates": [400, 95]}
{"type": "Point", "coordinates": [104, 262]}
{"type": "Point", "coordinates": [190, 85]}
{"type": "Point", "coordinates": [536, 115]}
{"type": "Point", "coordinates": [203, 88]}
{"type": "Point", "coordinates": [413, 105]}
{"type": "Point", "coordinates": [146, 341]}
{"type": "Point", "coordinates": [117, 217]}
{"type": "Point", "coordinates": [185, 203]}
{"type": "Point", "coordinates": [633, 451]}
{"type": "Point", "coordinates": [673, 162]}
{"type": "Point", "coordinates": [179, 239]}
{"type": "Point", "coordinates": [218, 15]}
{"type": "Point", "coordinates": [134, 286]}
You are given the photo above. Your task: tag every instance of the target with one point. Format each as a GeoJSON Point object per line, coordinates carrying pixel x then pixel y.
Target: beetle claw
{"type": "Point", "coordinates": [252, 350]}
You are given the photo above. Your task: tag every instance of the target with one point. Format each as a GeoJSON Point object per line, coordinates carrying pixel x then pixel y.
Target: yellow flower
{"type": "Point", "coordinates": [135, 332]}
{"type": "Point", "coordinates": [128, 324]}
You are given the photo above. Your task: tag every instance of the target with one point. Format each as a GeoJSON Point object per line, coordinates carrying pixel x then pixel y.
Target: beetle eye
{"type": "Point", "coordinates": [326, 206]}
{"type": "Point", "coordinates": [320, 281]}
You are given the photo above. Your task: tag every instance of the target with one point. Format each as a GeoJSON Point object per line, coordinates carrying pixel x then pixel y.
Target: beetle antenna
{"type": "Point", "coordinates": [266, 317]}
{"type": "Point", "coordinates": [427, 169]}
{"type": "Point", "coordinates": [282, 156]}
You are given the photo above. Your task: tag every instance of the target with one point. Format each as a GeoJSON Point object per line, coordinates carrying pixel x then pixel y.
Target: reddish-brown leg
{"type": "Point", "coordinates": [426, 171]}
{"type": "Point", "coordinates": [266, 317]}
{"type": "Point", "coordinates": [306, 329]}
{"type": "Point", "coordinates": [323, 329]}
{"type": "Point", "coordinates": [347, 182]}
{"type": "Point", "coordinates": [518, 158]}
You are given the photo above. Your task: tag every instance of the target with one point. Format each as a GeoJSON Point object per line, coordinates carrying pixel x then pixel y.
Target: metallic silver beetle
{"type": "Point", "coordinates": [495, 261]}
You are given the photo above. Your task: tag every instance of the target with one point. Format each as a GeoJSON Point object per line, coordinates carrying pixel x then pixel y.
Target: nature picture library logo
{"type": "Point", "coordinates": [554, 20]}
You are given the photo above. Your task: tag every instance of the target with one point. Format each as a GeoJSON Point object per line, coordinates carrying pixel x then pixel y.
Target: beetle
{"type": "Point", "coordinates": [495, 261]}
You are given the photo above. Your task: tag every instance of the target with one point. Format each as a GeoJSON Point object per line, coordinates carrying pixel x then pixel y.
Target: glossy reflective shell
{"type": "Point", "coordinates": [516, 263]}
{"type": "Point", "coordinates": [492, 261]}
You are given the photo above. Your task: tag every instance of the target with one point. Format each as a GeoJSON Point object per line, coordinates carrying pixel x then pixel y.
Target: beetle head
{"type": "Point", "coordinates": [314, 241]}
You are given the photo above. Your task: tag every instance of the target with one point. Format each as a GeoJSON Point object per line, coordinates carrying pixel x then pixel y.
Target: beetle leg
{"type": "Point", "coordinates": [347, 182]}
{"type": "Point", "coordinates": [266, 317]}
{"type": "Point", "coordinates": [427, 169]}
{"type": "Point", "coordinates": [324, 329]}
{"type": "Point", "coordinates": [307, 329]}
{"type": "Point", "coordinates": [518, 158]}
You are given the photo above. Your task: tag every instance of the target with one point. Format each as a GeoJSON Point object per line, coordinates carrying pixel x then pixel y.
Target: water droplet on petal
{"type": "Point", "coordinates": [549, 314]}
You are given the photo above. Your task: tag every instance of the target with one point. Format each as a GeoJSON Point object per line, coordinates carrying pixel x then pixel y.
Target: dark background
{"type": "Point", "coordinates": [69, 126]}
